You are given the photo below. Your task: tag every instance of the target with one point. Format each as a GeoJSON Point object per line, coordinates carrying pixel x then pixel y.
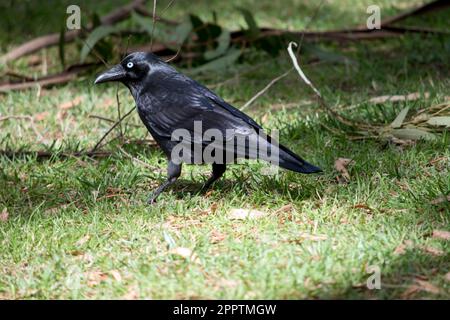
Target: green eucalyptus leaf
{"type": "Point", "coordinates": [327, 55]}
{"type": "Point", "coordinates": [95, 36]}
{"type": "Point", "coordinates": [182, 32]}
{"type": "Point", "coordinates": [397, 123]}
{"type": "Point", "coordinates": [224, 41]}
{"type": "Point", "coordinates": [253, 29]}
{"type": "Point", "coordinates": [169, 240]}
{"type": "Point", "coordinates": [220, 63]}
{"type": "Point", "coordinates": [439, 122]}
{"type": "Point", "coordinates": [145, 23]}
{"type": "Point", "coordinates": [413, 134]}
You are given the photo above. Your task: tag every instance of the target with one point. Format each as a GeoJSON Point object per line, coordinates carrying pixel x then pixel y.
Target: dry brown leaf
{"type": "Point", "coordinates": [34, 60]}
{"type": "Point", "coordinates": [185, 253]}
{"type": "Point", "coordinates": [217, 236]}
{"type": "Point", "coordinates": [409, 243]}
{"type": "Point", "coordinates": [433, 251]}
{"type": "Point", "coordinates": [341, 166]}
{"type": "Point", "coordinates": [401, 249]}
{"type": "Point", "coordinates": [86, 257]}
{"type": "Point", "coordinates": [70, 104]}
{"type": "Point", "coordinates": [106, 103]}
{"type": "Point", "coordinates": [61, 115]}
{"type": "Point", "coordinates": [132, 294]}
{"type": "Point", "coordinates": [95, 277]}
{"type": "Point", "coordinates": [116, 275]}
{"type": "Point", "coordinates": [286, 208]}
{"type": "Point", "coordinates": [427, 286]}
{"type": "Point", "coordinates": [447, 276]}
{"type": "Point", "coordinates": [440, 200]}
{"type": "Point", "coordinates": [441, 234]}
{"type": "Point", "coordinates": [41, 116]}
{"type": "Point", "coordinates": [76, 253]}
{"type": "Point", "coordinates": [410, 292]}
{"type": "Point", "coordinates": [214, 207]}
{"type": "Point", "coordinates": [4, 215]}
{"type": "Point", "coordinates": [241, 214]}
{"type": "Point", "coordinates": [51, 211]}
{"type": "Point", "coordinates": [313, 237]}
{"type": "Point", "coordinates": [228, 283]}
{"type": "Point", "coordinates": [395, 98]}
{"type": "Point", "coordinates": [208, 194]}
{"type": "Point", "coordinates": [82, 240]}
{"type": "Point", "coordinates": [363, 207]}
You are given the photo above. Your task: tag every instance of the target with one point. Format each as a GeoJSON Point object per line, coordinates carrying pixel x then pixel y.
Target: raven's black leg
{"type": "Point", "coordinates": [217, 172]}
{"type": "Point", "coordinates": [173, 172]}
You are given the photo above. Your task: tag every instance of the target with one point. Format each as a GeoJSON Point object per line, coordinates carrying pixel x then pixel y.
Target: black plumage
{"type": "Point", "coordinates": [167, 100]}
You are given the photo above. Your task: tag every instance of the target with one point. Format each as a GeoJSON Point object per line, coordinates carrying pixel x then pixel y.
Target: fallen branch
{"type": "Point", "coordinates": [46, 81]}
{"type": "Point", "coordinates": [18, 76]}
{"type": "Point", "coordinates": [49, 154]}
{"type": "Point", "coordinates": [53, 39]}
{"type": "Point", "coordinates": [59, 78]}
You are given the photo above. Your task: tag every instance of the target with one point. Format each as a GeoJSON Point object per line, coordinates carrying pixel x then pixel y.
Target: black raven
{"type": "Point", "coordinates": [192, 124]}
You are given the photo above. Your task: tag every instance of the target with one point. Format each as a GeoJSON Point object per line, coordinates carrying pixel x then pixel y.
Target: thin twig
{"type": "Point", "coordinates": [299, 70]}
{"type": "Point", "coordinates": [175, 56]}
{"type": "Point", "coordinates": [153, 25]}
{"type": "Point", "coordinates": [167, 7]}
{"type": "Point", "coordinates": [118, 110]}
{"type": "Point", "coordinates": [322, 101]}
{"type": "Point", "coordinates": [267, 87]}
{"type": "Point", "coordinates": [94, 116]}
{"type": "Point", "coordinates": [136, 159]}
{"type": "Point", "coordinates": [112, 128]}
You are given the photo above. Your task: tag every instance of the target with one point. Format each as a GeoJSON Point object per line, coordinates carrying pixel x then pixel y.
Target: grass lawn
{"type": "Point", "coordinates": [79, 228]}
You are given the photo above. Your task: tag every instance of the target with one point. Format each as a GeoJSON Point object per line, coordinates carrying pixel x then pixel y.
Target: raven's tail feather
{"type": "Point", "coordinates": [289, 160]}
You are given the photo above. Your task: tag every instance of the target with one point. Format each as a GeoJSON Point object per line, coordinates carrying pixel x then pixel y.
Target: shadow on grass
{"type": "Point", "coordinates": [406, 276]}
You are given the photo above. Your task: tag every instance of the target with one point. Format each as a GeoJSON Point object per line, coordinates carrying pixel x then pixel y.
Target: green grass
{"type": "Point", "coordinates": [81, 228]}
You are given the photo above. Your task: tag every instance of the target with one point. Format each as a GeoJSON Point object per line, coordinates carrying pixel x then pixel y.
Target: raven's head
{"type": "Point", "coordinates": [133, 69]}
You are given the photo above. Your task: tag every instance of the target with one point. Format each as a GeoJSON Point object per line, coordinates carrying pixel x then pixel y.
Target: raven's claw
{"type": "Point", "coordinates": [151, 199]}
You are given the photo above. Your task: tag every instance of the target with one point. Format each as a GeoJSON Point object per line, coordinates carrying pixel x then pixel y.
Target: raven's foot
{"type": "Point", "coordinates": [152, 198]}
{"type": "Point", "coordinates": [201, 191]}
{"type": "Point", "coordinates": [174, 171]}
{"type": "Point", "coordinates": [218, 170]}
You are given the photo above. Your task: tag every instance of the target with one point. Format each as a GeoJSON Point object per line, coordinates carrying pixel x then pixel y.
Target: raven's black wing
{"type": "Point", "coordinates": [182, 102]}
{"type": "Point", "coordinates": [236, 112]}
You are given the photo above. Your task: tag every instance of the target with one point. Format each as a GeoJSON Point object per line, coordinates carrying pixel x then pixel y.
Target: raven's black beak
{"type": "Point", "coordinates": [115, 73]}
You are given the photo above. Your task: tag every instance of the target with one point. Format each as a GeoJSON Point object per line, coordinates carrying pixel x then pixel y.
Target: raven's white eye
{"type": "Point", "coordinates": [130, 65]}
